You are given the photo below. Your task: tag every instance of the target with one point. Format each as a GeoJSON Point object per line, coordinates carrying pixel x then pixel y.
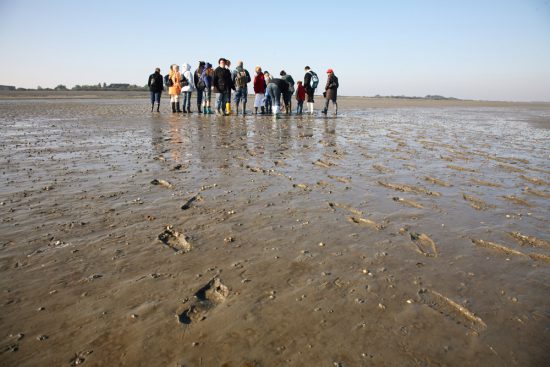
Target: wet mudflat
{"type": "Point", "coordinates": [382, 237]}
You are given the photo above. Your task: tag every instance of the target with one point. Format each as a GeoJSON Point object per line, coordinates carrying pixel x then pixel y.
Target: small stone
{"type": "Point", "coordinates": [321, 244]}
{"type": "Point", "coordinates": [381, 306]}
{"type": "Point", "coordinates": [228, 239]}
{"type": "Point", "coordinates": [410, 301]}
{"type": "Point", "coordinates": [42, 337]}
{"type": "Point", "coordinates": [134, 316]}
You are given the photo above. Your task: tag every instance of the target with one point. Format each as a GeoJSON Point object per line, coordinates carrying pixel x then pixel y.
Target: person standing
{"type": "Point", "coordinates": [228, 102]}
{"type": "Point", "coordinates": [275, 89]}
{"type": "Point", "coordinates": [331, 89]}
{"type": "Point", "coordinates": [241, 78]}
{"type": "Point", "coordinates": [174, 90]}
{"type": "Point", "coordinates": [207, 76]}
{"type": "Point", "coordinates": [259, 90]}
{"type": "Point", "coordinates": [199, 84]}
{"type": "Point", "coordinates": [288, 97]}
{"type": "Point", "coordinates": [188, 86]}
{"type": "Point", "coordinates": [155, 84]}
{"type": "Point", "coordinates": [311, 80]}
{"type": "Point", "coordinates": [300, 97]}
{"type": "Point", "coordinates": [267, 100]}
{"type": "Point", "coordinates": [222, 85]}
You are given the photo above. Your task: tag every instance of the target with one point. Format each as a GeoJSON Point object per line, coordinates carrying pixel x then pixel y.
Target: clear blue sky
{"type": "Point", "coordinates": [482, 49]}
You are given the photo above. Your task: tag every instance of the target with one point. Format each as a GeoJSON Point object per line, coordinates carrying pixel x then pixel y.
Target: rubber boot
{"type": "Point", "coordinates": [183, 106]}
{"type": "Point", "coordinates": [178, 107]}
{"type": "Point", "coordinates": [152, 106]}
{"type": "Point", "coordinates": [262, 110]}
{"type": "Point", "coordinates": [244, 108]}
{"type": "Point", "coordinates": [255, 110]}
{"type": "Point", "coordinates": [199, 108]}
{"type": "Point", "coordinates": [237, 109]}
{"type": "Point", "coordinates": [228, 108]}
{"type": "Point", "coordinates": [210, 110]}
{"type": "Point", "coordinates": [158, 107]}
{"type": "Point", "coordinates": [173, 107]}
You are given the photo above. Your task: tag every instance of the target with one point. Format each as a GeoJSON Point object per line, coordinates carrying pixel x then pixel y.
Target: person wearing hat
{"type": "Point", "coordinates": [331, 89]}
{"type": "Point", "coordinates": [199, 84]}
{"type": "Point", "coordinates": [156, 87]}
{"type": "Point", "coordinates": [206, 77]}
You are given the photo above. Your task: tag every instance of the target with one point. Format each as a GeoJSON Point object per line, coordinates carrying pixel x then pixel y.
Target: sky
{"type": "Point", "coordinates": [472, 49]}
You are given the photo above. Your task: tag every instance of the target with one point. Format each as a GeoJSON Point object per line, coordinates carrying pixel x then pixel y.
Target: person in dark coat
{"type": "Point", "coordinates": [331, 89]}
{"type": "Point", "coordinates": [310, 84]}
{"type": "Point", "coordinates": [156, 86]}
{"type": "Point", "coordinates": [288, 97]}
{"type": "Point", "coordinates": [222, 86]}
{"type": "Point", "coordinates": [275, 89]}
{"type": "Point", "coordinates": [199, 84]}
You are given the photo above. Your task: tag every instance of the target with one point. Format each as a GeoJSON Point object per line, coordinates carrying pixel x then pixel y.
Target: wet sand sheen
{"type": "Point", "coordinates": [380, 237]}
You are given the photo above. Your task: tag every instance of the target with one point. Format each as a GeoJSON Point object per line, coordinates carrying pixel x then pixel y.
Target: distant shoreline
{"type": "Point", "coordinates": [345, 101]}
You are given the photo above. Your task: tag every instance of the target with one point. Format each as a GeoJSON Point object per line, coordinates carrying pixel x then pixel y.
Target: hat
{"type": "Point", "coordinates": [330, 71]}
{"type": "Point", "coordinates": [208, 65]}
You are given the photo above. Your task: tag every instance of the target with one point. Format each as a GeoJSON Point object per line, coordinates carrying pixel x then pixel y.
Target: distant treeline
{"type": "Point", "coordinates": [95, 87]}
{"type": "Point", "coordinates": [429, 96]}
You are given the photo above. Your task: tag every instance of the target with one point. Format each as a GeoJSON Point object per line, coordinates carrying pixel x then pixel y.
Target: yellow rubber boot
{"type": "Point", "coordinates": [228, 108]}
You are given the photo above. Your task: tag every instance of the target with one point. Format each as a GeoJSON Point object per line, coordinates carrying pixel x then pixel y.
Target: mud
{"type": "Point", "coordinates": [282, 242]}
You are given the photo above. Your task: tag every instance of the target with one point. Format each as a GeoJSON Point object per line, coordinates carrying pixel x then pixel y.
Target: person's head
{"type": "Point", "coordinates": [201, 64]}
{"type": "Point", "coordinates": [282, 73]}
{"type": "Point", "coordinates": [157, 70]}
{"type": "Point", "coordinates": [208, 65]}
{"type": "Point", "coordinates": [258, 70]}
{"type": "Point", "coordinates": [222, 62]}
{"type": "Point", "coordinates": [240, 64]}
{"type": "Point", "coordinates": [227, 63]}
{"type": "Point", "coordinates": [329, 72]}
{"type": "Point", "coordinates": [299, 82]}
{"type": "Point", "coordinates": [307, 68]}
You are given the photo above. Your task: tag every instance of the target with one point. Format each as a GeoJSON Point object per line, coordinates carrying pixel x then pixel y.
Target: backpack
{"type": "Point", "coordinates": [314, 80]}
{"type": "Point", "coordinates": [184, 82]}
{"type": "Point", "coordinates": [167, 81]}
{"type": "Point", "coordinates": [241, 79]}
{"type": "Point", "coordinates": [201, 84]}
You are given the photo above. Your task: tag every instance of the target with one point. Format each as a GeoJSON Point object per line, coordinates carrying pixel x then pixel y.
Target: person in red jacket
{"type": "Point", "coordinates": [300, 97]}
{"type": "Point", "coordinates": [259, 90]}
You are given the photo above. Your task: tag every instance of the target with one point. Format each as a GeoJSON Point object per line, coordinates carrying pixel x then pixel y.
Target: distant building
{"type": "Point", "coordinates": [7, 87]}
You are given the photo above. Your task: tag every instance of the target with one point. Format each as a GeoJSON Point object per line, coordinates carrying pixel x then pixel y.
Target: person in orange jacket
{"type": "Point", "coordinates": [174, 90]}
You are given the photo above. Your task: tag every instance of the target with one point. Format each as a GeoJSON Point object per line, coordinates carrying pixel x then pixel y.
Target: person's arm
{"type": "Point", "coordinates": [307, 80]}
{"type": "Point", "coordinates": [149, 82]}
{"type": "Point", "coordinates": [215, 80]}
{"type": "Point", "coordinates": [248, 79]}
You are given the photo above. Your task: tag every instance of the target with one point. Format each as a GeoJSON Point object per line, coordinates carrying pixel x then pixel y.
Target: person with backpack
{"type": "Point", "coordinates": [222, 85]}
{"type": "Point", "coordinates": [155, 87]}
{"type": "Point", "coordinates": [174, 87]}
{"type": "Point", "coordinates": [241, 78]}
{"type": "Point", "coordinates": [275, 89]}
{"type": "Point", "coordinates": [287, 98]}
{"type": "Point", "coordinates": [207, 78]}
{"type": "Point", "coordinates": [267, 100]}
{"type": "Point", "coordinates": [300, 97]}
{"type": "Point", "coordinates": [199, 84]}
{"type": "Point", "coordinates": [331, 89]}
{"type": "Point", "coordinates": [188, 86]}
{"type": "Point", "coordinates": [259, 91]}
{"type": "Point", "coordinates": [311, 81]}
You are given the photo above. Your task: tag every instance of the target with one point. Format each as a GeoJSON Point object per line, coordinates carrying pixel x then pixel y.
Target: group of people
{"type": "Point", "coordinates": [223, 81]}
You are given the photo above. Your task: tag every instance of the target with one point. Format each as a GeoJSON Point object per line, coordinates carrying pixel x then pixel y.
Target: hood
{"type": "Point", "coordinates": [186, 67]}
{"type": "Point", "coordinates": [208, 65]}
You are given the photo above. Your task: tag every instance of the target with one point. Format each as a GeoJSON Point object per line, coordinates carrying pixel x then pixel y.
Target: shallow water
{"type": "Point", "coordinates": [81, 262]}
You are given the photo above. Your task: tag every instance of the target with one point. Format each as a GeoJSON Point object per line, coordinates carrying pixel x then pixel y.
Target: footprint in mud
{"type": "Point", "coordinates": [451, 309]}
{"type": "Point", "coordinates": [476, 203]}
{"type": "Point", "coordinates": [424, 244]}
{"type": "Point", "coordinates": [366, 222]}
{"type": "Point", "coordinates": [206, 299]}
{"type": "Point", "coordinates": [175, 240]}
{"type": "Point", "coordinates": [347, 207]}
{"type": "Point", "coordinates": [323, 164]}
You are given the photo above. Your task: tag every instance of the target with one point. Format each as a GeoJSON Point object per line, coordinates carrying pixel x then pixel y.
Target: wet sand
{"type": "Point", "coordinates": [385, 236]}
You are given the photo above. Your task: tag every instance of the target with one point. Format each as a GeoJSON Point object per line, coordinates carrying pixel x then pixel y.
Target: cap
{"type": "Point", "coordinates": [329, 71]}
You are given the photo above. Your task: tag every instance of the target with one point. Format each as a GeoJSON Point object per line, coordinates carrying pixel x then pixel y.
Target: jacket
{"type": "Point", "coordinates": [207, 75]}
{"type": "Point", "coordinates": [175, 89]}
{"type": "Point", "coordinates": [259, 84]}
{"type": "Point", "coordinates": [290, 81]}
{"type": "Point", "coordinates": [236, 72]}
{"type": "Point", "coordinates": [155, 82]}
{"type": "Point", "coordinates": [282, 84]}
{"type": "Point", "coordinates": [331, 87]}
{"type": "Point", "coordinates": [190, 87]}
{"type": "Point", "coordinates": [222, 80]}
{"type": "Point", "coordinates": [307, 80]}
{"type": "Point", "coordinates": [197, 76]}
{"type": "Point", "coordinates": [301, 93]}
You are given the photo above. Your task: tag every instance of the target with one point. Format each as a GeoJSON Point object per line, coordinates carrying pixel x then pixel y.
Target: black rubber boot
{"type": "Point", "coordinates": [152, 107]}
{"type": "Point", "coordinates": [173, 107]}
{"type": "Point", "coordinates": [178, 107]}
{"type": "Point", "coordinates": [262, 110]}
{"type": "Point", "coordinates": [199, 108]}
{"type": "Point", "coordinates": [255, 110]}
{"type": "Point", "coordinates": [158, 107]}
{"type": "Point", "coordinates": [244, 108]}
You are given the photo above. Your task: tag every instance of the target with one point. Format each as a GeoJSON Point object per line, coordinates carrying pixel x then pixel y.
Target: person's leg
{"type": "Point", "coordinates": [185, 98]}
{"type": "Point", "coordinates": [152, 100]}
{"type": "Point", "coordinates": [237, 99]}
{"type": "Point", "coordinates": [245, 99]}
{"type": "Point", "coordinates": [178, 103]}
{"type": "Point", "coordinates": [325, 110]}
{"type": "Point", "coordinates": [173, 102]}
{"type": "Point", "coordinates": [199, 100]}
{"type": "Point", "coordinates": [219, 97]}
{"type": "Point", "coordinates": [189, 95]}
{"type": "Point", "coordinates": [158, 100]}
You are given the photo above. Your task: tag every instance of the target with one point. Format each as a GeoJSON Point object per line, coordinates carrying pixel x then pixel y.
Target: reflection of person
{"type": "Point", "coordinates": [259, 90]}
{"type": "Point", "coordinates": [240, 78]}
{"type": "Point", "coordinates": [155, 84]}
{"type": "Point", "coordinates": [331, 89]}
{"type": "Point", "coordinates": [300, 97]}
{"type": "Point", "coordinates": [175, 89]}
{"type": "Point", "coordinates": [188, 88]}
{"type": "Point", "coordinates": [310, 83]}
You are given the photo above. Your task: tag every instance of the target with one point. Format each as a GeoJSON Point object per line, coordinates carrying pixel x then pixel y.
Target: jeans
{"type": "Point", "coordinates": [221, 99]}
{"type": "Point", "coordinates": [199, 97]}
{"type": "Point", "coordinates": [274, 94]}
{"type": "Point", "coordinates": [187, 100]}
{"type": "Point", "coordinates": [207, 95]}
{"type": "Point", "coordinates": [155, 96]}
{"type": "Point", "coordinates": [300, 107]}
{"type": "Point", "coordinates": [241, 94]}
